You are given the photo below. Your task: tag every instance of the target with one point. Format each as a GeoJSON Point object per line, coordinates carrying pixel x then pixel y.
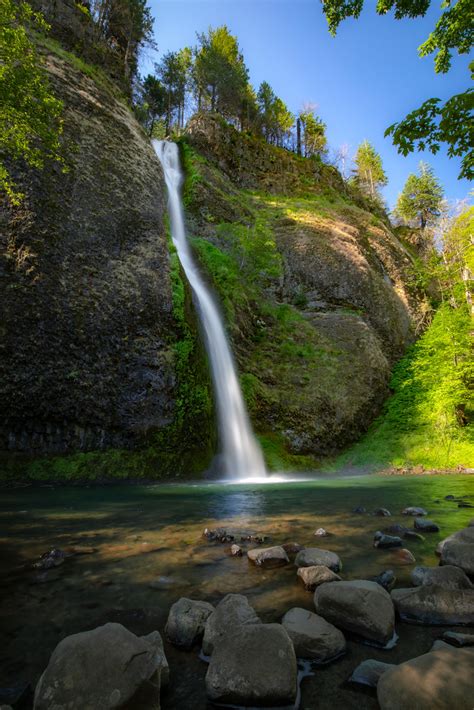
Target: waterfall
{"type": "Point", "coordinates": [241, 453]}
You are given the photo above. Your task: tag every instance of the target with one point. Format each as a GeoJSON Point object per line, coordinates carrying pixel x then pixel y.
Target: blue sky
{"type": "Point", "coordinates": [364, 79]}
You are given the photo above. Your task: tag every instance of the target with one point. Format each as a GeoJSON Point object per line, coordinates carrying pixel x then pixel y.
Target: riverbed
{"type": "Point", "coordinates": [134, 550]}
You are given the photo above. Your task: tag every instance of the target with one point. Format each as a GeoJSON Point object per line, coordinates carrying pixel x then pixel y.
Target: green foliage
{"type": "Point", "coordinates": [428, 420]}
{"type": "Point", "coordinates": [314, 133]}
{"type": "Point", "coordinates": [174, 72]}
{"type": "Point", "coordinates": [275, 118]}
{"type": "Point", "coordinates": [432, 123]}
{"type": "Point", "coordinates": [421, 197]}
{"type": "Point", "coordinates": [30, 116]}
{"type": "Point", "coordinates": [369, 174]}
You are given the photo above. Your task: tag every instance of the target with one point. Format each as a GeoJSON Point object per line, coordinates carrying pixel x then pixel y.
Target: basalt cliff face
{"type": "Point", "coordinates": [93, 309]}
{"type": "Point", "coordinates": [101, 368]}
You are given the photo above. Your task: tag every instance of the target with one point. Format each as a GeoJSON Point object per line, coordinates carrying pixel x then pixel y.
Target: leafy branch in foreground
{"type": "Point", "coordinates": [30, 116]}
{"type": "Point", "coordinates": [433, 123]}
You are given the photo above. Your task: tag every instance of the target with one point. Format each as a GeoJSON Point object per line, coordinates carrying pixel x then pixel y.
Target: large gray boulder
{"type": "Point", "coordinates": [448, 577]}
{"type": "Point", "coordinates": [313, 576]}
{"type": "Point", "coordinates": [268, 556]}
{"type": "Point", "coordinates": [369, 672]}
{"type": "Point", "coordinates": [230, 615]}
{"type": "Point", "coordinates": [312, 636]}
{"type": "Point", "coordinates": [186, 621]}
{"type": "Point", "coordinates": [311, 556]}
{"type": "Point", "coordinates": [439, 680]}
{"type": "Point", "coordinates": [359, 606]}
{"type": "Point", "coordinates": [254, 666]}
{"type": "Point", "coordinates": [103, 668]}
{"type": "Point", "coordinates": [458, 550]}
{"type": "Point", "coordinates": [435, 605]}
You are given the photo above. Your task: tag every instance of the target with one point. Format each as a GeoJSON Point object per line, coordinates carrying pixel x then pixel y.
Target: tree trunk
{"type": "Point", "coordinates": [298, 136]}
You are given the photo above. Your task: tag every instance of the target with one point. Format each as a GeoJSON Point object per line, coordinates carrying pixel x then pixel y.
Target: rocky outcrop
{"type": "Point", "coordinates": [328, 307]}
{"type": "Point", "coordinates": [104, 668]}
{"type": "Point", "coordinates": [87, 354]}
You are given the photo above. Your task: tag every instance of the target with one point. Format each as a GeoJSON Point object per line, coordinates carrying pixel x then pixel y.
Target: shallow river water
{"type": "Point", "coordinates": [145, 549]}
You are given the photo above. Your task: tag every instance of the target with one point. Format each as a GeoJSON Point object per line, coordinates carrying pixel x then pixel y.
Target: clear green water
{"type": "Point", "coordinates": [143, 534]}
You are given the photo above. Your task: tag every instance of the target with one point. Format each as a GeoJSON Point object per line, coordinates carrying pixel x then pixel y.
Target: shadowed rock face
{"type": "Point", "coordinates": [86, 299]}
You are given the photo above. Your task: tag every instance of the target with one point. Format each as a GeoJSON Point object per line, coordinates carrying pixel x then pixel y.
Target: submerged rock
{"type": "Point", "coordinates": [382, 513]}
{"type": "Point", "coordinates": [448, 577]}
{"type": "Point", "coordinates": [404, 556]}
{"type": "Point", "coordinates": [414, 511]}
{"type": "Point", "coordinates": [103, 668]}
{"type": "Point", "coordinates": [218, 535]}
{"type": "Point", "coordinates": [292, 548]}
{"type": "Point", "coordinates": [186, 621]}
{"type": "Point", "coordinates": [457, 639]}
{"type": "Point", "coordinates": [321, 532]}
{"type": "Point", "coordinates": [386, 579]}
{"type": "Point", "coordinates": [231, 614]}
{"type": "Point", "coordinates": [369, 672]}
{"type": "Point", "coordinates": [359, 606]}
{"type": "Point", "coordinates": [50, 559]}
{"type": "Point", "coordinates": [435, 605]}
{"type": "Point", "coordinates": [386, 541]}
{"type": "Point", "coordinates": [435, 681]}
{"type": "Point", "coordinates": [312, 636]}
{"type": "Point", "coordinates": [412, 535]}
{"type": "Point", "coordinates": [315, 575]}
{"type": "Point", "coordinates": [360, 509]}
{"type": "Point", "coordinates": [314, 556]}
{"type": "Point", "coordinates": [268, 556]}
{"type": "Point", "coordinates": [254, 666]}
{"type": "Point", "coordinates": [425, 525]}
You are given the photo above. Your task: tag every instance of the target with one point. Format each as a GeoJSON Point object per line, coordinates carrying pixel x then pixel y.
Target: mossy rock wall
{"type": "Point", "coordinates": [91, 338]}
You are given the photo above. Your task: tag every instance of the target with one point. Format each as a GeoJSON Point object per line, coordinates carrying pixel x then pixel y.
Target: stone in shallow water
{"type": "Point", "coordinates": [236, 551]}
{"type": "Point", "coordinates": [312, 556]}
{"type": "Point", "coordinates": [321, 532]}
{"type": "Point", "coordinates": [386, 541]}
{"type": "Point", "coordinates": [292, 548]}
{"type": "Point", "coordinates": [359, 509]}
{"type": "Point", "coordinates": [412, 535]}
{"type": "Point", "coordinates": [439, 643]}
{"type": "Point", "coordinates": [434, 605]}
{"type": "Point", "coordinates": [103, 668]}
{"type": "Point", "coordinates": [359, 606]}
{"type": "Point", "coordinates": [448, 577]}
{"type": "Point", "coordinates": [386, 579]}
{"type": "Point", "coordinates": [186, 621]}
{"type": "Point", "coordinates": [439, 680]}
{"type": "Point", "coordinates": [425, 525]}
{"type": "Point", "coordinates": [232, 613]}
{"type": "Point", "coordinates": [458, 550]}
{"type": "Point", "coordinates": [254, 666]}
{"type": "Point", "coordinates": [404, 556]}
{"type": "Point", "coordinates": [382, 513]}
{"type": "Point", "coordinates": [312, 636]}
{"type": "Point", "coordinates": [369, 672]}
{"type": "Point", "coordinates": [414, 511]}
{"type": "Point", "coordinates": [268, 556]}
{"type": "Point", "coordinates": [316, 575]}
{"type": "Point", "coordinates": [457, 639]}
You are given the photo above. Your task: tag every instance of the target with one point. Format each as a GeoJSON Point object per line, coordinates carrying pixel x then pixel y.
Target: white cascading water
{"type": "Point", "coordinates": [241, 453]}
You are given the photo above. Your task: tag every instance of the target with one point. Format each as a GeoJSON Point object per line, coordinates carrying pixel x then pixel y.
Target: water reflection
{"type": "Point", "coordinates": [240, 506]}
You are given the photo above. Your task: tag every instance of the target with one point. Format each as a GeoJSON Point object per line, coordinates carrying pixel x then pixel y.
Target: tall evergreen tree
{"type": "Point", "coordinates": [314, 133]}
{"type": "Point", "coordinates": [275, 118]}
{"type": "Point", "coordinates": [421, 197]}
{"type": "Point", "coordinates": [369, 172]}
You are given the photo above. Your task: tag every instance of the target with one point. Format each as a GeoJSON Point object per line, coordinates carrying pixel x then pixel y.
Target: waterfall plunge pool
{"type": "Point", "coordinates": [145, 549]}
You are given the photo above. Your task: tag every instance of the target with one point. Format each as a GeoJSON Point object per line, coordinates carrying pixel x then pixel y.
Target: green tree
{"type": "Point", "coordinates": [151, 102]}
{"type": "Point", "coordinates": [458, 257]}
{"type": "Point", "coordinates": [421, 197]}
{"type": "Point", "coordinates": [220, 74]}
{"type": "Point", "coordinates": [369, 172]}
{"type": "Point", "coordinates": [275, 118]}
{"type": "Point", "coordinates": [174, 73]}
{"type": "Point", "coordinates": [433, 123]}
{"type": "Point", "coordinates": [314, 133]}
{"type": "Point", "coordinates": [30, 116]}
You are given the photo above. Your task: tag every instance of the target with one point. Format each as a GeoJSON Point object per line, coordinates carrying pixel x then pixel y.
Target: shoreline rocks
{"type": "Point", "coordinates": [434, 605]}
{"type": "Point", "coordinates": [448, 577]}
{"type": "Point", "coordinates": [268, 556]}
{"type": "Point", "coordinates": [315, 575]}
{"type": "Point", "coordinates": [186, 622]}
{"type": "Point", "coordinates": [315, 556]}
{"type": "Point", "coordinates": [312, 636]}
{"type": "Point", "coordinates": [232, 613]}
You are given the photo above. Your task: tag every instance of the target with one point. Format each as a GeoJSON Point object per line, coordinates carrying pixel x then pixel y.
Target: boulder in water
{"type": "Point", "coordinates": [386, 579]}
{"type": "Point", "coordinates": [314, 556]}
{"type": "Point", "coordinates": [186, 621]}
{"type": "Point", "coordinates": [312, 636]}
{"type": "Point", "coordinates": [425, 525]}
{"type": "Point", "coordinates": [313, 576]}
{"type": "Point", "coordinates": [232, 613]}
{"type": "Point", "coordinates": [435, 605]}
{"type": "Point", "coordinates": [268, 556]}
{"type": "Point", "coordinates": [359, 606]}
{"type": "Point", "coordinates": [457, 639]}
{"type": "Point", "coordinates": [382, 513]}
{"type": "Point", "coordinates": [103, 668]}
{"type": "Point", "coordinates": [386, 541]}
{"type": "Point", "coordinates": [369, 672]}
{"type": "Point", "coordinates": [435, 681]}
{"type": "Point", "coordinates": [414, 511]}
{"type": "Point", "coordinates": [448, 577]}
{"type": "Point", "coordinates": [253, 666]}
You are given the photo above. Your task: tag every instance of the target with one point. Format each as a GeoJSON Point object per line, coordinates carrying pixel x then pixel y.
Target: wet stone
{"type": "Point", "coordinates": [386, 579]}
{"type": "Point", "coordinates": [360, 509]}
{"type": "Point", "coordinates": [321, 532]}
{"type": "Point", "coordinates": [52, 558]}
{"type": "Point", "coordinates": [414, 511]}
{"type": "Point", "coordinates": [382, 513]}
{"type": "Point", "coordinates": [268, 557]}
{"type": "Point", "coordinates": [404, 556]}
{"type": "Point", "coordinates": [369, 672]}
{"type": "Point", "coordinates": [457, 639]}
{"type": "Point", "coordinates": [425, 525]}
{"type": "Point", "coordinates": [448, 577]}
{"type": "Point", "coordinates": [386, 541]}
{"type": "Point", "coordinates": [413, 535]}
{"type": "Point", "coordinates": [313, 576]}
{"type": "Point", "coordinates": [314, 556]}
{"type": "Point", "coordinates": [312, 636]}
{"type": "Point", "coordinates": [236, 551]}
{"type": "Point", "coordinates": [186, 622]}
